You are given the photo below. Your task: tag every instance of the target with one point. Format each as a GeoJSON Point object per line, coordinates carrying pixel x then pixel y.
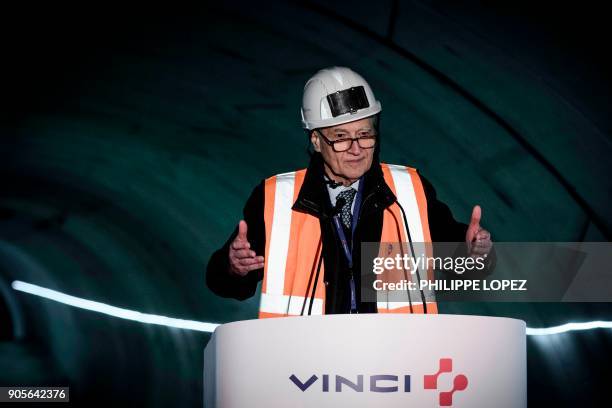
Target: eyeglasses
{"type": "Point", "coordinates": [366, 140]}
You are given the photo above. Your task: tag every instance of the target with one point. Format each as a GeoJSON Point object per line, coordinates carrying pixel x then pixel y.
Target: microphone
{"type": "Point", "coordinates": [340, 202]}
{"type": "Point", "coordinates": [413, 254]}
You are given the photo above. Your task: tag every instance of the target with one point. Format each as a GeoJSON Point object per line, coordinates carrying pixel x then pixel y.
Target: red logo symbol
{"type": "Point", "coordinates": [460, 382]}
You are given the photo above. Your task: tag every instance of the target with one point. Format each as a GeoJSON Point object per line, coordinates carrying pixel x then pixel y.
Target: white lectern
{"type": "Point", "coordinates": [369, 360]}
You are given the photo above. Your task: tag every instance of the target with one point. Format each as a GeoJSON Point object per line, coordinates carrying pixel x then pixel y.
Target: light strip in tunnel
{"type": "Point", "coordinates": [112, 310]}
{"type": "Point", "coordinates": [210, 327]}
{"type": "Point", "coordinates": [567, 327]}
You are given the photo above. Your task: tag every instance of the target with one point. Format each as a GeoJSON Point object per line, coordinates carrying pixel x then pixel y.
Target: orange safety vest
{"type": "Point", "coordinates": [293, 245]}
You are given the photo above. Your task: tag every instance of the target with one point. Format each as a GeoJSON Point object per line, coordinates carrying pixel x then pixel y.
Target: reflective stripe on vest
{"type": "Point", "coordinates": [408, 188]}
{"type": "Point", "coordinates": [293, 246]}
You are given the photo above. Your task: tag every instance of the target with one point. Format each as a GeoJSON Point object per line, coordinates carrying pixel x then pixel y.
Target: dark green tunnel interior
{"type": "Point", "coordinates": [132, 138]}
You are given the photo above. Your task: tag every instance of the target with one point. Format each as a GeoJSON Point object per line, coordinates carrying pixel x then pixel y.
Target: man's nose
{"type": "Point", "coordinates": [355, 149]}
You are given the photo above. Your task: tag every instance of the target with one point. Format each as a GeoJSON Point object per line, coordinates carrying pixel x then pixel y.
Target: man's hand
{"type": "Point", "coordinates": [242, 259]}
{"type": "Point", "coordinates": [478, 240]}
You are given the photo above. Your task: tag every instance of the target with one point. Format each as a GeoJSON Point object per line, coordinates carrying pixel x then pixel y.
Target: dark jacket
{"type": "Point", "coordinates": [313, 199]}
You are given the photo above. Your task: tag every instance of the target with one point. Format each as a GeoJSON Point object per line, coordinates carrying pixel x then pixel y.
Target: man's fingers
{"type": "Point", "coordinates": [254, 267]}
{"type": "Point", "coordinates": [242, 258]}
{"type": "Point", "coordinates": [242, 230]}
{"type": "Point", "coordinates": [474, 226]}
{"type": "Point", "coordinates": [239, 244]}
{"type": "Point", "coordinates": [243, 270]}
{"type": "Point", "coordinates": [483, 235]}
{"type": "Point", "coordinates": [251, 261]}
{"type": "Point", "coordinates": [481, 246]}
{"type": "Point", "coordinates": [476, 214]}
{"type": "Point", "coordinates": [482, 242]}
{"type": "Point", "coordinates": [243, 253]}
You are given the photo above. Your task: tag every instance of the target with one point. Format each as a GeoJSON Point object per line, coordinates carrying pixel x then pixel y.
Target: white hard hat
{"type": "Point", "coordinates": [336, 95]}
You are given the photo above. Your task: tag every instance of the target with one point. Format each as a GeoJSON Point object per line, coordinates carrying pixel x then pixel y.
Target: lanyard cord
{"type": "Point", "coordinates": [348, 252]}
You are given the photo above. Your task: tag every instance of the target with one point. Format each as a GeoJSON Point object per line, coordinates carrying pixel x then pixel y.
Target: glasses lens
{"type": "Point", "coordinates": [363, 142]}
{"type": "Point", "coordinates": [342, 145]}
{"type": "Point", "coordinates": [366, 142]}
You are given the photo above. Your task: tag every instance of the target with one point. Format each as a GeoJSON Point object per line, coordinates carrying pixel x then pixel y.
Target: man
{"type": "Point", "coordinates": [302, 231]}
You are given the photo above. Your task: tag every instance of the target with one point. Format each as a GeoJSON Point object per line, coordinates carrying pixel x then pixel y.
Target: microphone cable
{"type": "Point", "coordinates": [414, 255]}
{"type": "Point", "coordinates": [337, 208]}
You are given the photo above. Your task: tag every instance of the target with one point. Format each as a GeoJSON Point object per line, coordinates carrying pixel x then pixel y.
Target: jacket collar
{"type": "Point", "coordinates": [314, 199]}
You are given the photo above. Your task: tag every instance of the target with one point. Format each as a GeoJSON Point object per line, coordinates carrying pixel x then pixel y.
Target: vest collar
{"type": "Point", "coordinates": [313, 197]}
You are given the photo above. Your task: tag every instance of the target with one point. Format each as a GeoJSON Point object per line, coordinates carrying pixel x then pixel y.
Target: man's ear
{"type": "Point", "coordinates": [316, 142]}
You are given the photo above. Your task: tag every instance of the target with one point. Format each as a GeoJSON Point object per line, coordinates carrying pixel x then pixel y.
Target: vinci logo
{"type": "Point", "coordinates": [460, 382]}
{"type": "Point", "coordinates": [387, 383]}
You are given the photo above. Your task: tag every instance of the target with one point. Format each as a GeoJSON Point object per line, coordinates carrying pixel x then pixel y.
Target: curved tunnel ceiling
{"type": "Point", "coordinates": [131, 147]}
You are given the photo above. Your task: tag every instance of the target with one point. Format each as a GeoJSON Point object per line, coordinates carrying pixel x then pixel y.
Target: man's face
{"type": "Point", "coordinates": [350, 165]}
